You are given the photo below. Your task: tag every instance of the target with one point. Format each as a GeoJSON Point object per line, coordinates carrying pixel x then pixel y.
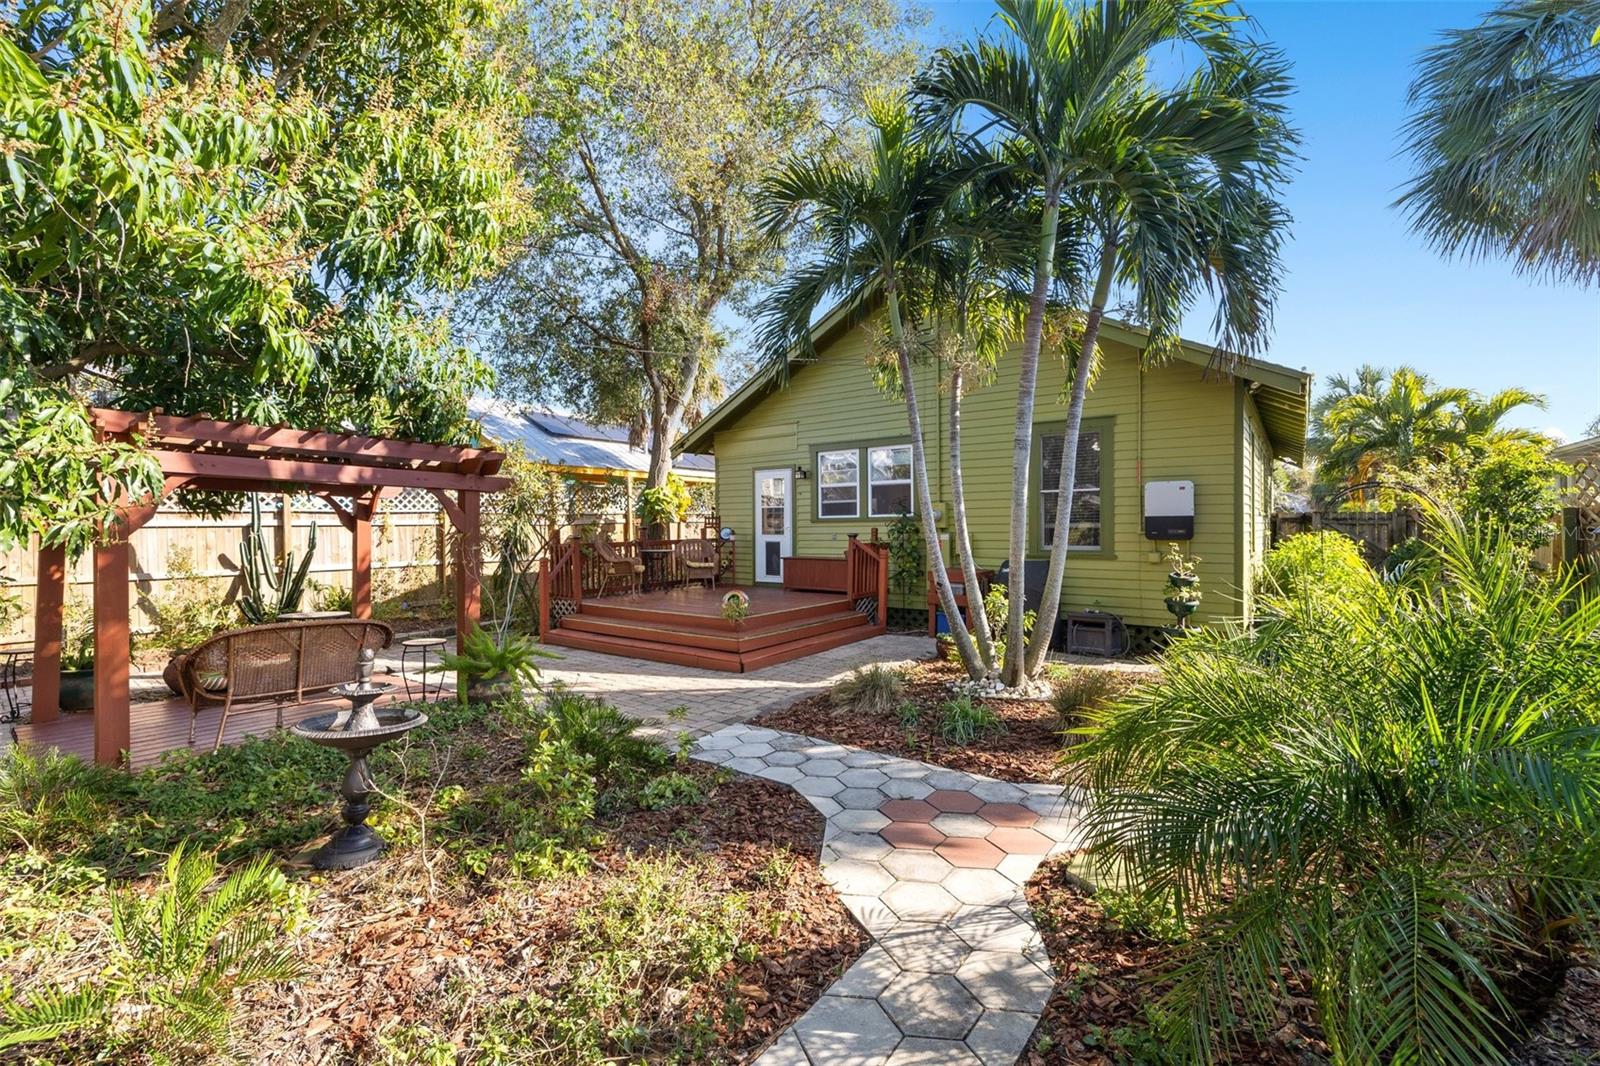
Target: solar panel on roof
{"type": "Point", "coordinates": [565, 426]}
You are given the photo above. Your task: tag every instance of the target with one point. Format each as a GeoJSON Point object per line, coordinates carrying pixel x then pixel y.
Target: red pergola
{"type": "Point", "coordinates": [204, 453]}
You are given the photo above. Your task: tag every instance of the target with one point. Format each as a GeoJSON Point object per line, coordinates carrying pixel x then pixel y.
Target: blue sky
{"type": "Point", "coordinates": [1360, 288]}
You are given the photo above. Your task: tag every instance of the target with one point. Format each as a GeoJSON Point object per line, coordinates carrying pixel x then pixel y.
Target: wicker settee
{"type": "Point", "coordinates": [282, 663]}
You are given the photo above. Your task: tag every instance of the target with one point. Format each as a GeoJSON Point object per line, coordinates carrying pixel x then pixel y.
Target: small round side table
{"type": "Point", "coordinates": [421, 648]}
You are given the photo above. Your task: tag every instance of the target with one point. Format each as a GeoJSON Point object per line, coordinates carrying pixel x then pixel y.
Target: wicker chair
{"type": "Point", "coordinates": [616, 564]}
{"type": "Point", "coordinates": [701, 559]}
{"type": "Point", "coordinates": [283, 662]}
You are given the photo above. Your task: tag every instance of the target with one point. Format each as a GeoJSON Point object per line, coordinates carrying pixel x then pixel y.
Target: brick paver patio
{"type": "Point", "coordinates": [932, 862]}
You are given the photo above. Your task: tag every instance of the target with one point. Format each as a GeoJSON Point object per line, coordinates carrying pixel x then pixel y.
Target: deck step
{"type": "Point", "coordinates": [655, 651]}
{"type": "Point", "coordinates": [749, 639]}
{"type": "Point", "coordinates": [798, 649]}
{"type": "Point", "coordinates": [622, 609]}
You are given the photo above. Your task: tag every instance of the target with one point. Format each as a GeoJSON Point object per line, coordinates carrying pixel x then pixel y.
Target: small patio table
{"type": "Point", "coordinates": [422, 647]}
{"type": "Point", "coordinates": [658, 566]}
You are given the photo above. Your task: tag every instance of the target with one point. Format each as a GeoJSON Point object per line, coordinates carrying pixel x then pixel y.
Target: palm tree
{"type": "Point", "coordinates": [1367, 381]}
{"type": "Point", "coordinates": [1171, 188]}
{"type": "Point", "coordinates": [1481, 417]}
{"type": "Point", "coordinates": [1404, 421]}
{"type": "Point", "coordinates": [878, 225]}
{"type": "Point", "coordinates": [1505, 134]}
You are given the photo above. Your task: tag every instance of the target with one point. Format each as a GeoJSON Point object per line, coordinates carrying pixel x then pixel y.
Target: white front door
{"type": "Point", "coordinates": [774, 522]}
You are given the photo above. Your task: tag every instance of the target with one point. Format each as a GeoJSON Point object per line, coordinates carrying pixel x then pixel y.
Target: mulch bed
{"type": "Point", "coordinates": [409, 962]}
{"type": "Point", "coordinates": [1025, 751]}
{"type": "Point", "coordinates": [1105, 975]}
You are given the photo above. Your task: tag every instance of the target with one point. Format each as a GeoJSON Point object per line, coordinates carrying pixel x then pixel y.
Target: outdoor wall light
{"type": "Point", "coordinates": [800, 473]}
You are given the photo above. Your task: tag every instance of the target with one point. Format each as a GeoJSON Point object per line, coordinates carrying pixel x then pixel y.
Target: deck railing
{"type": "Point", "coordinates": [560, 584]}
{"type": "Point", "coordinates": [867, 577]}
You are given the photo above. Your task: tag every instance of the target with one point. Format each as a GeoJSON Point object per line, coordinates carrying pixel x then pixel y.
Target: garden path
{"type": "Point", "coordinates": [932, 862]}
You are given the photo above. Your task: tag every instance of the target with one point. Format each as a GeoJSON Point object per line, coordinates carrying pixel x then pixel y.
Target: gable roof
{"type": "Point", "coordinates": [1282, 394]}
{"type": "Point", "coordinates": [564, 441]}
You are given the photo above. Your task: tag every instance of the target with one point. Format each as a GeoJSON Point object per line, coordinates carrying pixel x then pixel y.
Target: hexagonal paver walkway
{"type": "Point", "coordinates": [932, 862]}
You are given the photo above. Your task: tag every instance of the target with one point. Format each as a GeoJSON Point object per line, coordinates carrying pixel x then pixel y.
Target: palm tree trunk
{"type": "Point", "coordinates": [1050, 600]}
{"type": "Point", "coordinates": [919, 474]}
{"type": "Point", "coordinates": [1022, 440]}
{"type": "Point", "coordinates": [958, 503]}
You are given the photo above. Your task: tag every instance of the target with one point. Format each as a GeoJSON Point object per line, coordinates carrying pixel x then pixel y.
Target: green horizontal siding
{"type": "Point", "coordinates": [1170, 422]}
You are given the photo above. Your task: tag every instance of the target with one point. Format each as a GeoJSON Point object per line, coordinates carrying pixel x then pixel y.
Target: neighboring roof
{"type": "Point", "coordinates": [1578, 449]}
{"type": "Point", "coordinates": [564, 441]}
{"type": "Point", "coordinates": [1283, 396]}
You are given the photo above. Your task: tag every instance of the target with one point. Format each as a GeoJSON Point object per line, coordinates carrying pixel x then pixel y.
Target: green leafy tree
{"type": "Point", "coordinates": [241, 208]}
{"type": "Point", "coordinates": [1505, 140]}
{"type": "Point", "coordinates": [683, 107]}
{"type": "Point", "coordinates": [1167, 190]}
{"type": "Point", "coordinates": [1388, 787]}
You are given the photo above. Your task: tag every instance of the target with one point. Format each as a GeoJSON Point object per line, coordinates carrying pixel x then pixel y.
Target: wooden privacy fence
{"type": "Point", "coordinates": [410, 556]}
{"type": "Point", "coordinates": [1378, 532]}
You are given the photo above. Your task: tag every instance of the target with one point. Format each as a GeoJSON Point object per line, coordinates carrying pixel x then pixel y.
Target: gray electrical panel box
{"type": "Point", "coordinates": [1169, 510]}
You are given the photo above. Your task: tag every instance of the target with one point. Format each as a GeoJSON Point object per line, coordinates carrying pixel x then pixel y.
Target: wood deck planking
{"type": "Point", "coordinates": [160, 726]}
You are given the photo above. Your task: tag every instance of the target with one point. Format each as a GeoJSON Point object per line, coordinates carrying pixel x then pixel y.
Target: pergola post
{"type": "Point", "coordinates": [361, 508]}
{"type": "Point", "coordinates": [469, 566]}
{"type": "Point", "coordinates": [112, 726]}
{"type": "Point", "coordinates": [49, 597]}
{"type": "Point", "coordinates": [627, 514]}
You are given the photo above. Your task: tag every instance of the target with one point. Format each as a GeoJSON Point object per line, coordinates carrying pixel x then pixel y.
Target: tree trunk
{"type": "Point", "coordinates": [958, 503]}
{"type": "Point", "coordinates": [919, 475]}
{"type": "Point", "coordinates": [666, 414]}
{"type": "Point", "coordinates": [1022, 441]}
{"type": "Point", "coordinates": [1050, 600]}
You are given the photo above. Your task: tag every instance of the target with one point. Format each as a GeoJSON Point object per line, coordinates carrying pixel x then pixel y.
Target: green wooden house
{"type": "Point", "coordinates": [825, 455]}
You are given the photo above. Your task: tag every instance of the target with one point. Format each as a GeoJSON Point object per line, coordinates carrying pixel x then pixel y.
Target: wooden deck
{"type": "Point", "coordinates": [685, 626]}
{"type": "Point", "coordinates": [162, 726]}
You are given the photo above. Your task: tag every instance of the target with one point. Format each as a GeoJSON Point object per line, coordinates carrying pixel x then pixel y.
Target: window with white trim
{"type": "Point", "coordinates": [1083, 531]}
{"type": "Point", "coordinates": [889, 481]}
{"type": "Point", "coordinates": [839, 484]}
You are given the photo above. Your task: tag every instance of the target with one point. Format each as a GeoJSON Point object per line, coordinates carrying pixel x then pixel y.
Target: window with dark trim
{"type": "Point", "coordinates": [1083, 532]}
{"type": "Point", "coordinates": [839, 484]}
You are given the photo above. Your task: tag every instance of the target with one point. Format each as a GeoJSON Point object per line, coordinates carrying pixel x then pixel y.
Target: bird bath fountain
{"type": "Point", "coordinates": [356, 732]}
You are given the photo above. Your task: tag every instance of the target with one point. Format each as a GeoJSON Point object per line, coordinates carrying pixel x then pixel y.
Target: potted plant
{"type": "Point", "coordinates": [491, 669]}
{"type": "Point", "coordinates": [77, 657]}
{"type": "Point", "coordinates": [1182, 591]}
{"type": "Point", "coordinates": [659, 507]}
{"type": "Point", "coordinates": [736, 607]}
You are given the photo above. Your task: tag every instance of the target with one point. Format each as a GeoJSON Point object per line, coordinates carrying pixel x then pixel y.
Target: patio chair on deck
{"type": "Point", "coordinates": [701, 559]}
{"type": "Point", "coordinates": [615, 563]}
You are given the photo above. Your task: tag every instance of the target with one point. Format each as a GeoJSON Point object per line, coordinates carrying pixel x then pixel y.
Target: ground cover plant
{"type": "Point", "coordinates": [557, 890]}
{"type": "Point", "coordinates": [1390, 788]}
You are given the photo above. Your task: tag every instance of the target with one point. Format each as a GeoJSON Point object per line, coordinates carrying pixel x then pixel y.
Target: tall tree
{"type": "Point", "coordinates": [1482, 417]}
{"type": "Point", "coordinates": [1173, 189]}
{"type": "Point", "coordinates": [879, 226]}
{"type": "Point", "coordinates": [683, 108]}
{"type": "Point", "coordinates": [236, 209]}
{"type": "Point", "coordinates": [1505, 137]}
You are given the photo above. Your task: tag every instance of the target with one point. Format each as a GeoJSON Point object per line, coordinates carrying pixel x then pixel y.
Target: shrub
{"type": "Point", "coordinates": [47, 798]}
{"type": "Point", "coordinates": [483, 658]}
{"type": "Point", "coordinates": [178, 959]}
{"type": "Point", "coordinates": [874, 689]}
{"type": "Point", "coordinates": [189, 609]}
{"type": "Point", "coordinates": [1323, 563]}
{"type": "Point", "coordinates": [1514, 486]}
{"type": "Point", "coordinates": [1394, 791]}
{"type": "Point", "coordinates": [603, 734]}
{"type": "Point", "coordinates": [961, 721]}
{"type": "Point", "coordinates": [996, 608]}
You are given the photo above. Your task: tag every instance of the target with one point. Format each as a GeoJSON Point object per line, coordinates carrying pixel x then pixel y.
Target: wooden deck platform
{"type": "Point", "coordinates": [685, 626]}
{"type": "Point", "coordinates": [162, 726]}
